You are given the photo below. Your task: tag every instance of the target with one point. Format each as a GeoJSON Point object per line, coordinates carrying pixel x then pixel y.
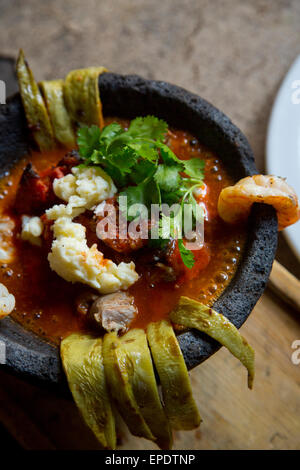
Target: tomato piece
{"type": "Point", "coordinates": [202, 258]}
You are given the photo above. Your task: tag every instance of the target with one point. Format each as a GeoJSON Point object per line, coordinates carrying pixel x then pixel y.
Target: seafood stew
{"type": "Point", "coordinates": [33, 282]}
{"type": "Point", "coordinates": [118, 234]}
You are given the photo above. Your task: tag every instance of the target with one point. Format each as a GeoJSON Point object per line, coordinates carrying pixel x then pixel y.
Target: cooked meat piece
{"type": "Point", "coordinates": [121, 245]}
{"type": "Point", "coordinates": [84, 301]}
{"type": "Point", "coordinates": [32, 192]}
{"type": "Point", "coordinates": [114, 312]}
{"type": "Point", "coordinates": [71, 159]}
{"type": "Point", "coordinates": [35, 193]}
{"type": "Point", "coordinates": [168, 273]}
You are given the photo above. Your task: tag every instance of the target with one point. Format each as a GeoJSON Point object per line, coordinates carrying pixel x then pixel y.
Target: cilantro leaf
{"type": "Point", "coordinates": [118, 143]}
{"type": "Point", "coordinates": [148, 127]}
{"type": "Point", "coordinates": [119, 164]}
{"type": "Point", "coordinates": [197, 210]}
{"type": "Point", "coordinates": [171, 227]}
{"type": "Point", "coordinates": [145, 193]}
{"type": "Point", "coordinates": [147, 171]}
{"type": "Point", "coordinates": [125, 159]}
{"type": "Point", "coordinates": [167, 177]}
{"type": "Point", "coordinates": [135, 195]}
{"type": "Point", "coordinates": [186, 255]}
{"type": "Point", "coordinates": [171, 197]}
{"type": "Point", "coordinates": [142, 170]}
{"type": "Point", "coordinates": [146, 150]}
{"type": "Point", "coordinates": [168, 156]}
{"type": "Point", "coordinates": [110, 132]}
{"type": "Point", "coordinates": [194, 168]}
{"type": "Point", "coordinates": [116, 175]}
{"type": "Point", "coordinates": [96, 157]}
{"type": "Point", "coordinates": [87, 140]}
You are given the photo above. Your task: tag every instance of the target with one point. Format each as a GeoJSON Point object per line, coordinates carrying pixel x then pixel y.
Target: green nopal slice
{"type": "Point", "coordinates": [35, 109]}
{"type": "Point", "coordinates": [193, 314]}
{"type": "Point", "coordinates": [82, 97]}
{"type": "Point", "coordinates": [144, 386]}
{"type": "Point", "coordinates": [83, 364]}
{"type": "Point", "coordinates": [60, 119]}
{"type": "Point", "coordinates": [119, 370]}
{"type": "Point", "coordinates": [180, 406]}
{"type": "Point", "coordinates": [131, 378]}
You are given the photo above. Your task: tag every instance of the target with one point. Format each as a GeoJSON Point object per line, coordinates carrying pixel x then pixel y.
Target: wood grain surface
{"type": "Point", "coordinates": [285, 285]}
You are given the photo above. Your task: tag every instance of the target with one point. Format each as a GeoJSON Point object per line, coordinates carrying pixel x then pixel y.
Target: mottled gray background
{"type": "Point", "coordinates": [233, 53]}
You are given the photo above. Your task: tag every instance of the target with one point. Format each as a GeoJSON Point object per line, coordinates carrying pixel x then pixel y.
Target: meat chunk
{"type": "Point", "coordinates": [84, 302]}
{"type": "Point", "coordinates": [69, 160]}
{"type": "Point", "coordinates": [118, 244]}
{"type": "Point", "coordinates": [114, 312]}
{"type": "Point", "coordinates": [35, 193]}
{"type": "Point", "coordinates": [32, 192]}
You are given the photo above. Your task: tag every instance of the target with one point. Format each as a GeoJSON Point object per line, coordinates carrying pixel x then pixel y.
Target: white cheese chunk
{"type": "Point", "coordinates": [7, 249]}
{"type": "Point", "coordinates": [81, 190]}
{"type": "Point", "coordinates": [74, 261]}
{"type": "Point", "coordinates": [65, 187]}
{"type": "Point", "coordinates": [70, 256]}
{"type": "Point", "coordinates": [32, 229]}
{"type": "Point", "coordinates": [7, 302]}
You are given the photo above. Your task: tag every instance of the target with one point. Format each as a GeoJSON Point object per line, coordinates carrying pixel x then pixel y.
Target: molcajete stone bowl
{"type": "Point", "coordinates": [129, 96]}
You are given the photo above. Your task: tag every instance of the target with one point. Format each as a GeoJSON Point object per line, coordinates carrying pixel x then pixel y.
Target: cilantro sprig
{"type": "Point", "coordinates": [144, 168]}
{"type": "Point", "coordinates": [186, 255]}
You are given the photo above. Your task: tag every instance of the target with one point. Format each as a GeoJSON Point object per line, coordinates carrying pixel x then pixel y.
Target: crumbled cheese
{"type": "Point", "coordinates": [75, 207]}
{"type": "Point", "coordinates": [93, 184]}
{"type": "Point", "coordinates": [81, 190]}
{"type": "Point", "coordinates": [65, 187]}
{"type": "Point", "coordinates": [32, 229]}
{"type": "Point", "coordinates": [74, 261]}
{"type": "Point", "coordinates": [70, 256]}
{"type": "Point", "coordinates": [7, 249]}
{"type": "Point", "coordinates": [64, 227]}
{"type": "Point", "coordinates": [7, 302]}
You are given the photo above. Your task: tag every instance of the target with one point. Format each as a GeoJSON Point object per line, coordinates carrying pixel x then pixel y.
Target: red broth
{"type": "Point", "coordinates": [45, 302]}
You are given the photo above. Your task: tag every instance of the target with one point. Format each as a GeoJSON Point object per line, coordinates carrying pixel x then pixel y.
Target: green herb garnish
{"type": "Point", "coordinates": [144, 169]}
{"type": "Point", "coordinates": [186, 255]}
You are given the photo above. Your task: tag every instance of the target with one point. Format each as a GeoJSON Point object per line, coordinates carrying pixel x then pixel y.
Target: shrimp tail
{"type": "Point", "coordinates": [235, 202]}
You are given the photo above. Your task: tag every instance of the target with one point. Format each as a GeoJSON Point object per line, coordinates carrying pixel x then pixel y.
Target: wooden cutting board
{"type": "Point", "coordinates": [268, 417]}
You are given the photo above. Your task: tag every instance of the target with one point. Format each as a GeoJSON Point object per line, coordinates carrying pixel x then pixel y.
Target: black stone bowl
{"type": "Point", "coordinates": [129, 96]}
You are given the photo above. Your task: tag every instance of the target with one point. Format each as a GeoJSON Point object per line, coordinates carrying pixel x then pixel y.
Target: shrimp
{"type": "Point", "coordinates": [235, 202]}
